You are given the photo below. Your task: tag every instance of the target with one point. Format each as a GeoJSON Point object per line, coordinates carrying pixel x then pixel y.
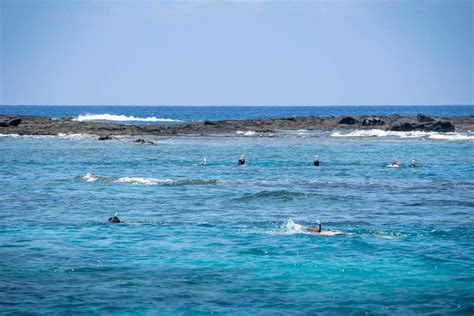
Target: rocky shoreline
{"type": "Point", "coordinates": [39, 125]}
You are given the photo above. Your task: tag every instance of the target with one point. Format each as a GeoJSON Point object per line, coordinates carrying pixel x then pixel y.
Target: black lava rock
{"type": "Point", "coordinates": [348, 120]}
{"type": "Point", "coordinates": [7, 121]}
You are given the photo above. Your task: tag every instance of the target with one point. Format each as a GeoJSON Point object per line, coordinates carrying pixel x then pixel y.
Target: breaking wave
{"type": "Point", "coordinates": [171, 182]}
{"type": "Point", "coordinates": [254, 133]}
{"type": "Point", "coordinates": [413, 134]}
{"type": "Point", "coordinates": [247, 133]}
{"type": "Point", "coordinates": [120, 118]}
{"type": "Point", "coordinates": [90, 177]}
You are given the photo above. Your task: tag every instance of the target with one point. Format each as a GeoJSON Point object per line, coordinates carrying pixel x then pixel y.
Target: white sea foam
{"type": "Point", "coordinates": [120, 118]}
{"type": "Point", "coordinates": [60, 135]}
{"type": "Point", "coordinates": [289, 227]}
{"type": "Point", "coordinates": [452, 136]}
{"type": "Point", "coordinates": [247, 133]}
{"type": "Point", "coordinates": [412, 134]}
{"type": "Point", "coordinates": [144, 181]}
{"type": "Point", "coordinates": [9, 135]}
{"type": "Point", "coordinates": [89, 177]}
{"type": "Point", "coordinates": [74, 136]}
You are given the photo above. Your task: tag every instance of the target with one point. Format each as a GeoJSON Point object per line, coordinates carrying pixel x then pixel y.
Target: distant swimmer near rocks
{"type": "Point", "coordinates": [317, 230]}
{"type": "Point", "coordinates": [241, 160]}
{"type": "Point", "coordinates": [413, 164]}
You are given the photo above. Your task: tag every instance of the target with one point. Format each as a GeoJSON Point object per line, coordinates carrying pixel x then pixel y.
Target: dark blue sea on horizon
{"type": "Point", "coordinates": [200, 113]}
{"type": "Point", "coordinates": [227, 239]}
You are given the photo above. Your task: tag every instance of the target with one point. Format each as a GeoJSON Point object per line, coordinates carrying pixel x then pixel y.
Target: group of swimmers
{"type": "Point", "coordinates": [316, 162]}
{"type": "Point", "coordinates": [317, 229]}
{"type": "Point", "coordinates": [396, 164]}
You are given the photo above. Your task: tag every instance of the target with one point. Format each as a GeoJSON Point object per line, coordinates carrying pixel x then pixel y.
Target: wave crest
{"type": "Point", "coordinates": [90, 177]}
{"type": "Point", "coordinates": [412, 134]}
{"type": "Point", "coordinates": [140, 180]}
{"type": "Point", "coordinates": [120, 118]}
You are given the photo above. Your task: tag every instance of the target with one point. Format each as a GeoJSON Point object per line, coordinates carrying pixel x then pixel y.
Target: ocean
{"type": "Point", "coordinates": [170, 114]}
{"type": "Point", "coordinates": [227, 239]}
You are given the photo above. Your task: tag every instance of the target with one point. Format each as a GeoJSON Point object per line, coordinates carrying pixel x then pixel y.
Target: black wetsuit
{"type": "Point", "coordinates": [241, 162]}
{"type": "Point", "coordinates": [316, 163]}
{"type": "Point", "coordinates": [114, 220]}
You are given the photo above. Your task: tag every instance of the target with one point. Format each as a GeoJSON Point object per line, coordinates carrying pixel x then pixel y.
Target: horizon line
{"type": "Point", "coordinates": [237, 105]}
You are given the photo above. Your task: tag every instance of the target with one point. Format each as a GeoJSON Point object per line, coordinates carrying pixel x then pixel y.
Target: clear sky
{"type": "Point", "coordinates": [236, 52]}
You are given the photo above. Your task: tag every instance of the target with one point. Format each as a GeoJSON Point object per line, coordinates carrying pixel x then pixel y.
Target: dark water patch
{"type": "Point", "coordinates": [441, 203]}
{"type": "Point", "coordinates": [283, 195]}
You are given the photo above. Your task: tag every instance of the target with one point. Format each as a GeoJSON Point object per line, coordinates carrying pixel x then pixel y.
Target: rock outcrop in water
{"type": "Point", "coordinates": [37, 125]}
{"type": "Point", "coordinates": [143, 141]}
{"type": "Point", "coordinates": [6, 121]}
{"type": "Point", "coordinates": [435, 126]}
{"type": "Point", "coordinates": [106, 137]}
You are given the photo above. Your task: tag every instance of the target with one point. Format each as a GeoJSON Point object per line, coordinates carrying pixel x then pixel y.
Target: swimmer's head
{"type": "Point", "coordinates": [114, 219]}
{"type": "Point", "coordinates": [413, 161]}
{"type": "Point", "coordinates": [318, 223]}
{"type": "Point", "coordinates": [242, 156]}
{"type": "Point", "coordinates": [316, 157]}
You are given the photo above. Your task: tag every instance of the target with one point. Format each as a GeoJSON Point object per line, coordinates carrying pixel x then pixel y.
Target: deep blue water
{"type": "Point", "coordinates": [231, 240]}
{"type": "Point", "coordinates": [199, 113]}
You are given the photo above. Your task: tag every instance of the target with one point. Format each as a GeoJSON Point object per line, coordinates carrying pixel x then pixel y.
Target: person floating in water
{"type": "Point", "coordinates": [316, 161]}
{"type": "Point", "coordinates": [317, 229]}
{"type": "Point", "coordinates": [241, 160]}
{"type": "Point", "coordinates": [393, 164]}
{"type": "Point", "coordinates": [115, 220]}
{"type": "Point", "coordinates": [413, 164]}
{"type": "Point", "coordinates": [203, 161]}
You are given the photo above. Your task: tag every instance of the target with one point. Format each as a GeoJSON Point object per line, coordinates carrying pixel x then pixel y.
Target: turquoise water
{"type": "Point", "coordinates": [227, 239]}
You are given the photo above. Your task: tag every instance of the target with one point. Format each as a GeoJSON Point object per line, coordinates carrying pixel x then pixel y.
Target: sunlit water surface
{"type": "Point", "coordinates": [228, 239]}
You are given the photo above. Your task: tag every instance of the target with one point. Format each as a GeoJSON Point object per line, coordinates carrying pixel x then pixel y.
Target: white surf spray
{"type": "Point", "coordinates": [75, 136]}
{"type": "Point", "coordinates": [89, 177]}
{"type": "Point", "coordinates": [288, 227]}
{"type": "Point", "coordinates": [143, 181]}
{"type": "Point", "coordinates": [412, 134]}
{"type": "Point", "coordinates": [246, 133]}
{"type": "Point", "coordinates": [120, 118]}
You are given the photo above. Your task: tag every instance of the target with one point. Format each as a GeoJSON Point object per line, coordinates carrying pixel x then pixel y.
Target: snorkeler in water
{"type": "Point", "coordinates": [413, 164]}
{"type": "Point", "coordinates": [115, 220]}
{"type": "Point", "coordinates": [316, 161]}
{"type": "Point", "coordinates": [317, 229]}
{"type": "Point", "coordinates": [241, 160]}
{"type": "Point", "coordinates": [393, 164]}
{"type": "Point", "coordinates": [203, 161]}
